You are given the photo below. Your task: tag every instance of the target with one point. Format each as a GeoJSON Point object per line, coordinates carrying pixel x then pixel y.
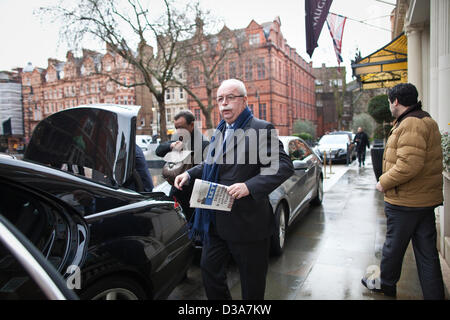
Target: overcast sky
{"type": "Point", "coordinates": [25, 38]}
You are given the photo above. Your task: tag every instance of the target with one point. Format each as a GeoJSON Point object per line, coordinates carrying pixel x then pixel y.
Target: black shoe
{"type": "Point", "coordinates": [374, 286]}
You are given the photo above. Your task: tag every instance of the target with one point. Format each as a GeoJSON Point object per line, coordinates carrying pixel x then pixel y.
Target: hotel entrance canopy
{"type": "Point", "coordinates": [385, 67]}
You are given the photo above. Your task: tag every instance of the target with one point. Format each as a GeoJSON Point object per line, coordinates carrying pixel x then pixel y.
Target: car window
{"type": "Point", "coordinates": [298, 150]}
{"type": "Point", "coordinates": [334, 139]}
{"type": "Point", "coordinates": [37, 220]}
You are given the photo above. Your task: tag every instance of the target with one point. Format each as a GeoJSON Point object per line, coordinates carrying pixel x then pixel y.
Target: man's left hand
{"type": "Point", "coordinates": [379, 187]}
{"type": "Point", "coordinates": [238, 190]}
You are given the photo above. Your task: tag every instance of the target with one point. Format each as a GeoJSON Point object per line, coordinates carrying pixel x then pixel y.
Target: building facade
{"type": "Point", "coordinates": [279, 82]}
{"type": "Point", "coordinates": [11, 115]}
{"type": "Point", "coordinates": [175, 101]}
{"type": "Point", "coordinates": [334, 101]}
{"type": "Point", "coordinates": [92, 78]}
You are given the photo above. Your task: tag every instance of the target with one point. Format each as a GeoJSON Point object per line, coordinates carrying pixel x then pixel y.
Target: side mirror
{"type": "Point", "coordinates": [300, 164]}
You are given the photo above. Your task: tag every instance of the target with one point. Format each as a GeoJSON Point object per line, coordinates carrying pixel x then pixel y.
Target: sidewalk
{"type": "Point", "coordinates": [348, 233]}
{"type": "Point", "coordinates": [330, 249]}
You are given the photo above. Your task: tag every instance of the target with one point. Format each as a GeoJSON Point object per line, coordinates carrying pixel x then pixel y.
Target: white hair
{"type": "Point", "coordinates": [235, 82]}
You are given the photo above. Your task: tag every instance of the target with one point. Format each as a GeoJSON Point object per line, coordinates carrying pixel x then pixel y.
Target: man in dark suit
{"type": "Point", "coordinates": [362, 142]}
{"type": "Point", "coordinates": [192, 141]}
{"type": "Point", "coordinates": [252, 162]}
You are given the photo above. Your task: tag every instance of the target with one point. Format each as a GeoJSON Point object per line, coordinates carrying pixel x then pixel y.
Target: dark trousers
{"type": "Point", "coordinates": [361, 156]}
{"type": "Point", "coordinates": [252, 259]}
{"type": "Point", "coordinates": [416, 224]}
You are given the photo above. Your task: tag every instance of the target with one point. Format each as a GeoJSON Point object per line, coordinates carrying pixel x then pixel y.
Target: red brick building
{"type": "Point", "coordinates": [280, 83]}
{"type": "Point", "coordinates": [77, 81]}
{"type": "Point", "coordinates": [334, 101]}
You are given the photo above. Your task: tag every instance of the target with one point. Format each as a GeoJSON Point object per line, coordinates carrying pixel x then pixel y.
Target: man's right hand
{"type": "Point", "coordinates": [177, 145]}
{"type": "Point", "coordinates": [181, 180]}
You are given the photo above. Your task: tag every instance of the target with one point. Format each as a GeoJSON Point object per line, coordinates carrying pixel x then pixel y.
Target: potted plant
{"type": "Point", "coordinates": [445, 142]}
{"type": "Point", "coordinates": [380, 112]}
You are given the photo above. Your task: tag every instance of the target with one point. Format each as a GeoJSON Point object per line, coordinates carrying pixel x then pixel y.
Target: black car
{"type": "Point", "coordinates": [25, 273]}
{"type": "Point", "coordinates": [71, 196]}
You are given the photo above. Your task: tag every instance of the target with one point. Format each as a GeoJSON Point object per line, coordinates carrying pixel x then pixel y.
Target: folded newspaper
{"type": "Point", "coordinates": [210, 195]}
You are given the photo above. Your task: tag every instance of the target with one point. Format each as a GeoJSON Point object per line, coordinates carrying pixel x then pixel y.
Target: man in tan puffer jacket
{"type": "Point", "coordinates": [412, 187]}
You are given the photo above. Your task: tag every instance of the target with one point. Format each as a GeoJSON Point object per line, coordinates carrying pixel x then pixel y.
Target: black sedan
{"type": "Point", "coordinates": [69, 196]}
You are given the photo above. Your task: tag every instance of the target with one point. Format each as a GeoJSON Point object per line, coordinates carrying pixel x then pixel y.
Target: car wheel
{"type": "Point", "coordinates": [279, 238]}
{"type": "Point", "coordinates": [114, 288]}
{"type": "Point", "coordinates": [317, 201]}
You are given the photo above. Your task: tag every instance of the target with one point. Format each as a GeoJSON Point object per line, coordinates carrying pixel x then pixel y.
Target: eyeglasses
{"type": "Point", "coordinates": [230, 98]}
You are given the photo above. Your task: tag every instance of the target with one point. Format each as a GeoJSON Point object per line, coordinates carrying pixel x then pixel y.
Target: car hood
{"type": "Point", "coordinates": [97, 141]}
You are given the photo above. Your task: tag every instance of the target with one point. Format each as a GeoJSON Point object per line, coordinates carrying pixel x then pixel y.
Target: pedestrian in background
{"type": "Point", "coordinates": [362, 142]}
{"type": "Point", "coordinates": [184, 120]}
{"type": "Point", "coordinates": [142, 169]}
{"type": "Point", "coordinates": [244, 233]}
{"type": "Point", "coordinates": [412, 187]}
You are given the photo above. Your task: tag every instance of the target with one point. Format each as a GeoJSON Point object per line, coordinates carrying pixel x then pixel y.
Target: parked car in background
{"type": "Point", "coordinates": [70, 197]}
{"type": "Point", "coordinates": [143, 141]}
{"type": "Point", "coordinates": [336, 146]}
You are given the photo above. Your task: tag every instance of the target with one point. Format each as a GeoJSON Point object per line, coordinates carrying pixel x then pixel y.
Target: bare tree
{"type": "Point", "coordinates": [124, 25]}
{"type": "Point", "coordinates": [204, 58]}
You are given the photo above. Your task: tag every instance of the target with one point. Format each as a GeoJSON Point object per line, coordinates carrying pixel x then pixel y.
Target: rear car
{"type": "Point", "coordinates": [336, 147]}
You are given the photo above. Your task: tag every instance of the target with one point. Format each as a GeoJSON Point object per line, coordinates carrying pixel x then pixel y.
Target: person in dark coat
{"type": "Point", "coordinates": [142, 169]}
{"type": "Point", "coordinates": [362, 142]}
{"type": "Point", "coordinates": [244, 233]}
{"type": "Point", "coordinates": [184, 123]}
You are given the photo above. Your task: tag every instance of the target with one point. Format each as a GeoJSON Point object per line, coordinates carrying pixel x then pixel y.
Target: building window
{"type": "Point", "coordinates": [170, 94]}
{"type": "Point", "coordinates": [253, 39]}
{"type": "Point", "coordinates": [232, 69]}
{"type": "Point", "coordinates": [197, 115]}
{"type": "Point", "coordinates": [248, 70]}
{"type": "Point", "coordinates": [169, 114]}
{"type": "Point", "coordinates": [262, 111]}
{"type": "Point", "coordinates": [196, 76]}
{"type": "Point", "coordinates": [181, 93]}
{"type": "Point", "coordinates": [261, 67]}
{"type": "Point", "coordinates": [221, 72]}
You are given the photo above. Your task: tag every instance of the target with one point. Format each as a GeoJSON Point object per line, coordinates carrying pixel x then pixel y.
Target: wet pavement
{"type": "Point", "coordinates": [329, 249]}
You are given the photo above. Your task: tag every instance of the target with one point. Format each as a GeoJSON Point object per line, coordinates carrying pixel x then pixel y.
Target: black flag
{"type": "Point", "coordinates": [316, 12]}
